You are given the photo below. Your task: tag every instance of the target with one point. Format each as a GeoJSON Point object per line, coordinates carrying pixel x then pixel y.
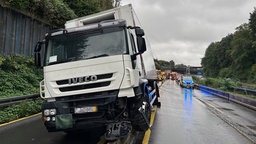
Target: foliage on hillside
{"type": "Point", "coordinates": [218, 83]}
{"type": "Point", "coordinates": [18, 76]}
{"type": "Point", "coordinates": [235, 55]}
{"type": "Point", "coordinates": [56, 12]}
{"type": "Point", "coordinates": [16, 111]}
{"type": "Point", "coordinates": [86, 7]}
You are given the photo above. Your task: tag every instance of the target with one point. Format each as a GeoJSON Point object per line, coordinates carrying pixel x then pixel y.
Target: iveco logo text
{"type": "Point", "coordinates": [82, 79]}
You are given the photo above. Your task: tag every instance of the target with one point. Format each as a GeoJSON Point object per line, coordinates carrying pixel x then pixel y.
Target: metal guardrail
{"type": "Point", "coordinates": [214, 91]}
{"type": "Point", "coordinates": [17, 99]}
{"type": "Point", "coordinates": [244, 90]}
{"type": "Point", "coordinates": [248, 102]}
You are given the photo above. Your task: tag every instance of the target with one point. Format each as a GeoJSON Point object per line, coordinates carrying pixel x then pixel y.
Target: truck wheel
{"type": "Point", "coordinates": [138, 121]}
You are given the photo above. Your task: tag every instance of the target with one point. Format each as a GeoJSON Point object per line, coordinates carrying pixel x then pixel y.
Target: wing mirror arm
{"type": "Point", "coordinates": [37, 54]}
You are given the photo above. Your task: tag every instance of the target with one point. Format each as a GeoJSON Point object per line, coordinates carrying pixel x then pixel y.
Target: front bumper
{"type": "Point", "coordinates": [65, 117]}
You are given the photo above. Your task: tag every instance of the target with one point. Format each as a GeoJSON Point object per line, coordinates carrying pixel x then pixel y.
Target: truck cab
{"type": "Point", "coordinates": [94, 76]}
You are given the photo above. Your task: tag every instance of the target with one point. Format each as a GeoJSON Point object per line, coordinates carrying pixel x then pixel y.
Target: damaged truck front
{"type": "Point", "coordinates": [98, 72]}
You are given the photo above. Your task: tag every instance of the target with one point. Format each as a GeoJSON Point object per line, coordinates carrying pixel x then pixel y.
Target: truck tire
{"type": "Point", "coordinates": [137, 119]}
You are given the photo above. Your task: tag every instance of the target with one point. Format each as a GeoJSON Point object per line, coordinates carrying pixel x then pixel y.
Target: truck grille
{"type": "Point", "coordinates": [84, 86]}
{"type": "Point", "coordinates": [101, 76]}
{"type": "Point", "coordinates": [98, 98]}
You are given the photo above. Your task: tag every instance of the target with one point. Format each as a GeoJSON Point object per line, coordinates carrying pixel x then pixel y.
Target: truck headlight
{"type": "Point", "coordinates": [46, 112]}
{"type": "Point", "coordinates": [48, 118]}
{"type": "Point", "coordinates": [52, 111]}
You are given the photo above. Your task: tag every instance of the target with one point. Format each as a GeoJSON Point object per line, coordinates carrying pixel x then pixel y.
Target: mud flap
{"type": "Point", "coordinates": [64, 121]}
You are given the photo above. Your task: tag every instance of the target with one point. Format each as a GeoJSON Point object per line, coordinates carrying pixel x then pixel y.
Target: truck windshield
{"type": "Point", "coordinates": [79, 46]}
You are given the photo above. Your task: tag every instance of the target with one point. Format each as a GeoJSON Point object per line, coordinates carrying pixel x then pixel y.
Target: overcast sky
{"type": "Point", "coordinates": [181, 30]}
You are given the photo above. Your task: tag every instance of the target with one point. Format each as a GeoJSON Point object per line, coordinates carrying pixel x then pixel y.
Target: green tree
{"type": "Point", "coordinates": [55, 12]}
{"type": "Point", "coordinates": [86, 7]}
{"type": "Point", "coordinates": [20, 4]}
{"type": "Point", "coordinates": [180, 66]}
{"type": "Point", "coordinates": [217, 58]}
{"type": "Point", "coordinates": [252, 23]}
{"type": "Point", "coordinates": [164, 65]}
{"type": "Point", "coordinates": [243, 54]}
{"type": "Point", "coordinates": [223, 51]}
{"type": "Point", "coordinates": [233, 56]}
{"type": "Point", "coordinates": [106, 4]}
{"type": "Point", "coordinates": [172, 64]}
{"type": "Point", "coordinates": [210, 61]}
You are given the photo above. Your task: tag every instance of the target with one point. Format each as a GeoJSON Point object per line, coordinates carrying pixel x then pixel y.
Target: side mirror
{"type": "Point", "coordinates": [139, 32]}
{"type": "Point", "coordinates": [38, 47]}
{"type": "Point", "coordinates": [37, 59]}
{"type": "Point", "coordinates": [141, 44]}
{"type": "Point", "coordinates": [37, 54]}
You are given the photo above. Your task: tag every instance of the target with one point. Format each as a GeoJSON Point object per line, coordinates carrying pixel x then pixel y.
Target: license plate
{"type": "Point", "coordinates": [87, 109]}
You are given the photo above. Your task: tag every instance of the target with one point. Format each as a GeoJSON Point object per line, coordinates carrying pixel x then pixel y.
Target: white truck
{"type": "Point", "coordinates": [98, 73]}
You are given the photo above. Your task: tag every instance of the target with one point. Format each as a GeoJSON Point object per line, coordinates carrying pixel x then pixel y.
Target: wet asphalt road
{"type": "Point", "coordinates": [32, 131]}
{"type": "Point", "coordinates": [183, 119]}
